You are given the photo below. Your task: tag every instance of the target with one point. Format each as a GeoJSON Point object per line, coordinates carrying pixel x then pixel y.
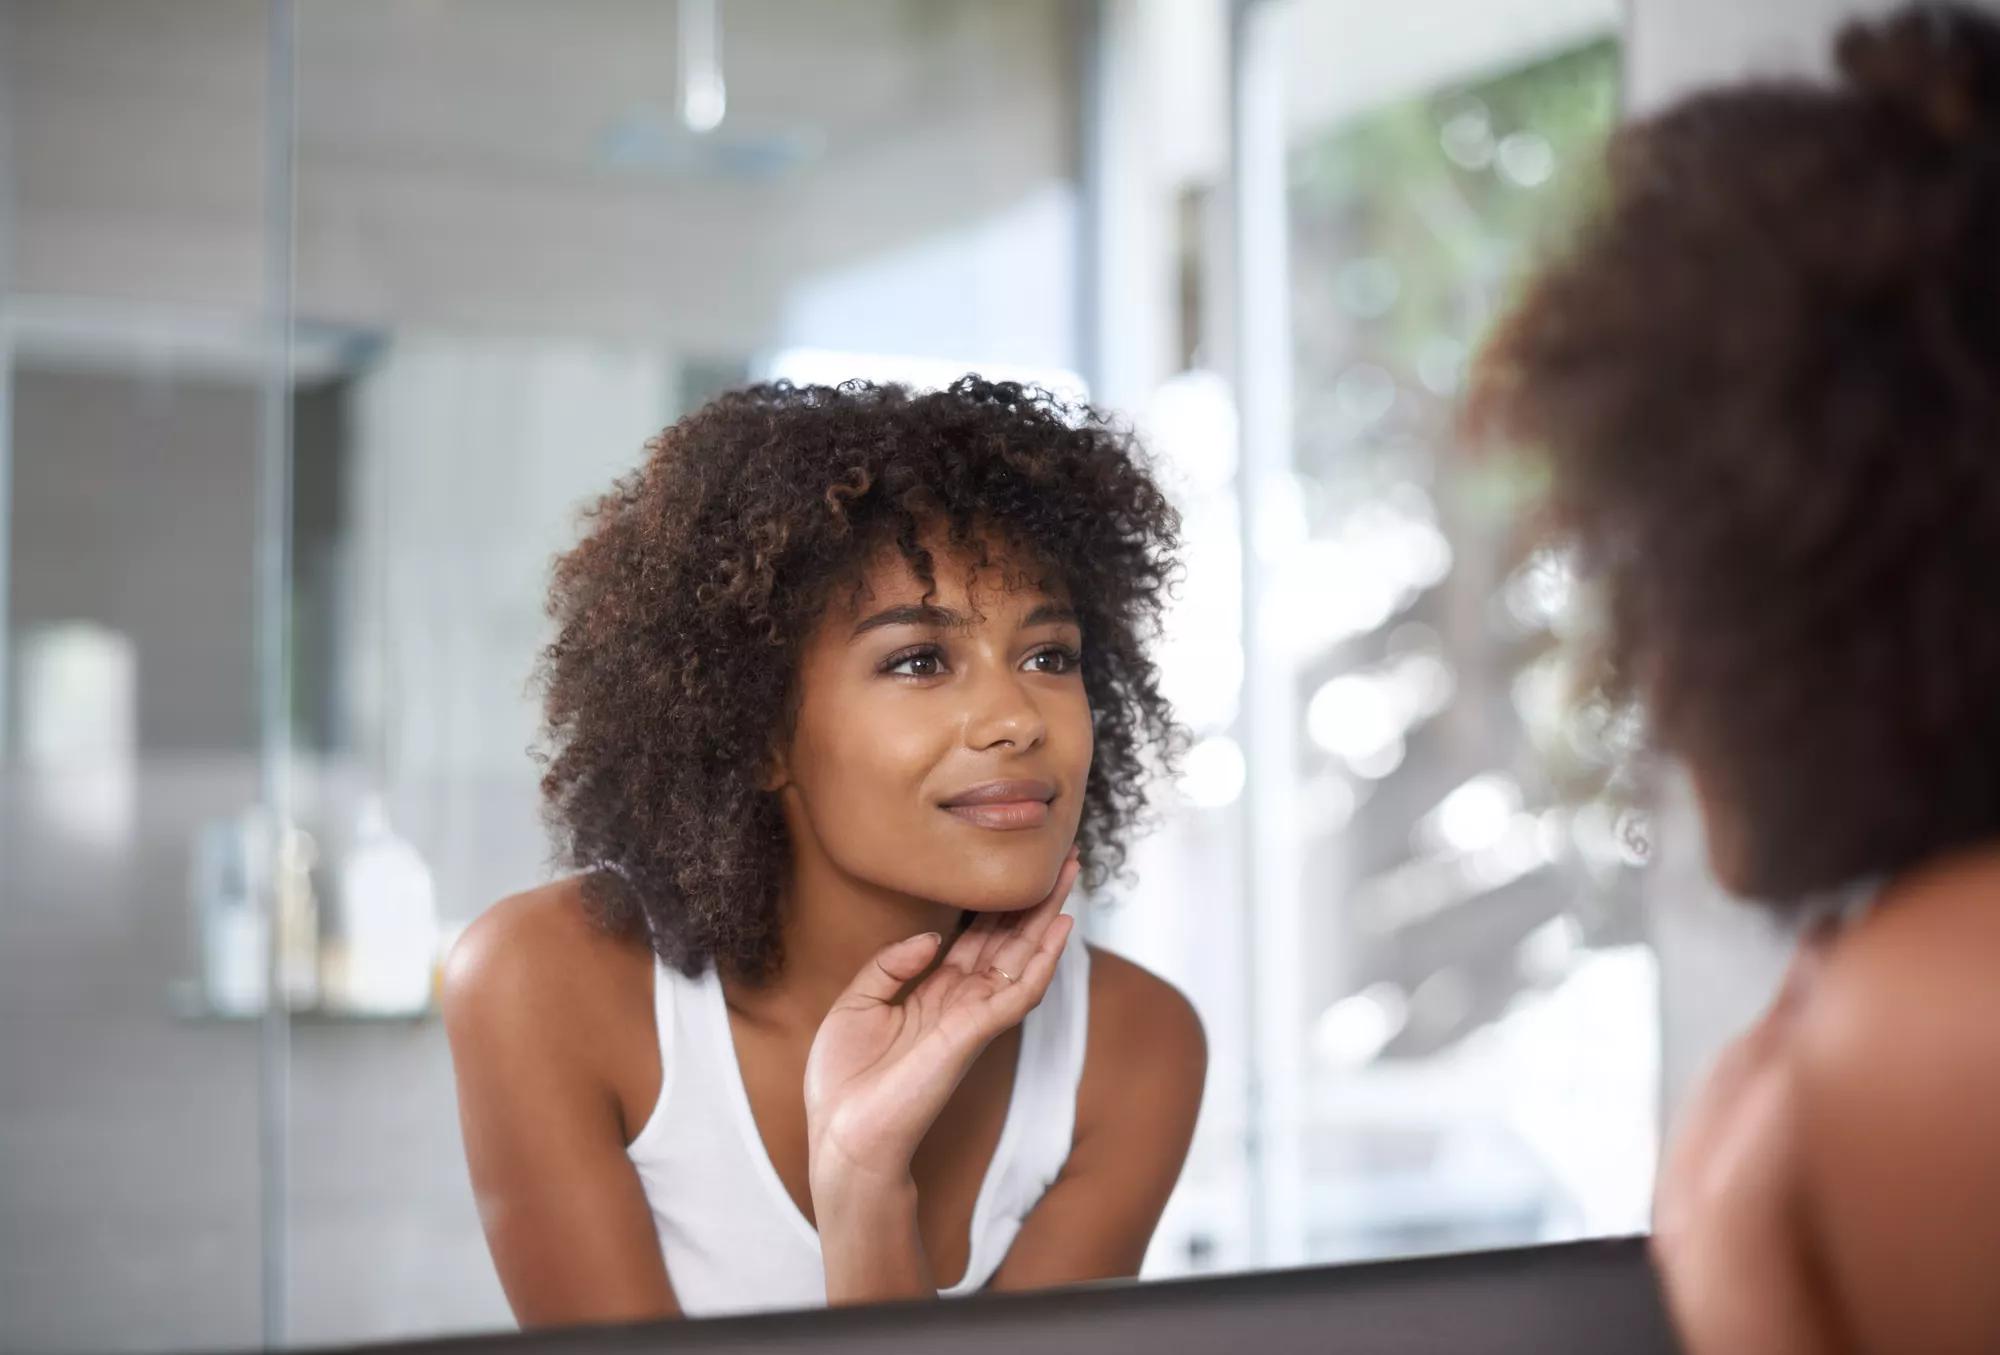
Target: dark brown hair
{"type": "Point", "coordinates": [681, 614]}
{"type": "Point", "coordinates": [1767, 382]}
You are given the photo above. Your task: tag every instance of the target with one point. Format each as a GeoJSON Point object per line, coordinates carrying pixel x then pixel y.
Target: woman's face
{"type": "Point", "coordinates": [940, 747]}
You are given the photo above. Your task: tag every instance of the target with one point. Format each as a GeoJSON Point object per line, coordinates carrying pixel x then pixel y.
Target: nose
{"type": "Point", "coordinates": [1001, 713]}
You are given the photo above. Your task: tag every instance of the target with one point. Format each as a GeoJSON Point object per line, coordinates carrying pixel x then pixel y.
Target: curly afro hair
{"type": "Point", "coordinates": [681, 614]}
{"type": "Point", "coordinates": [1767, 383]}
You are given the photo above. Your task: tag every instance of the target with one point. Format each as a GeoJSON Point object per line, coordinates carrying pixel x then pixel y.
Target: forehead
{"type": "Point", "coordinates": [989, 573]}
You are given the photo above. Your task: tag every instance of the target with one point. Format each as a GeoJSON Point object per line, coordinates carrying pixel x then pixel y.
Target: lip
{"type": "Point", "coordinates": [1003, 805]}
{"type": "Point", "coordinates": [1002, 792]}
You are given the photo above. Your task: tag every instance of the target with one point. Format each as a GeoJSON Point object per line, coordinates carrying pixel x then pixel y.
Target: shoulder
{"type": "Point", "coordinates": [536, 970]}
{"type": "Point", "coordinates": [1896, 1071]}
{"type": "Point", "coordinates": [538, 945]}
{"type": "Point", "coordinates": [1133, 1009]}
{"type": "Point", "coordinates": [1918, 975]}
{"type": "Point", "coordinates": [1146, 1048]}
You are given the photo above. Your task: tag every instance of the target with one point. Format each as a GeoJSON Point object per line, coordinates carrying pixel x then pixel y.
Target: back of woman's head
{"type": "Point", "coordinates": [1767, 380]}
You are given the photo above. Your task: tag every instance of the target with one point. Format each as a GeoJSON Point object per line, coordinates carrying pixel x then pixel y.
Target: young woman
{"type": "Point", "coordinates": [1769, 385]}
{"type": "Point", "coordinates": [849, 685]}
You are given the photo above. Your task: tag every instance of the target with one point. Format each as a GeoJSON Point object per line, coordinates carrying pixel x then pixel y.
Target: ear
{"type": "Point", "coordinates": [775, 773]}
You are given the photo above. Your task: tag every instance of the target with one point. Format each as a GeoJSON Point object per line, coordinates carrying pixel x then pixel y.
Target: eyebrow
{"type": "Point", "coordinates": [934, 617]}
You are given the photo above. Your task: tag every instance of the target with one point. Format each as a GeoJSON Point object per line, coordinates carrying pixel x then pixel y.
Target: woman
{"type": "Point", "coordinates": [848, 687]}
{"type": "Point", "coordinates": [1769, 386]}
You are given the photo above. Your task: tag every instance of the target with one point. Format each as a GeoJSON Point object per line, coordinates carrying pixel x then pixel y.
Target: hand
{"type": "Point", "coordinates": [881, 1070]}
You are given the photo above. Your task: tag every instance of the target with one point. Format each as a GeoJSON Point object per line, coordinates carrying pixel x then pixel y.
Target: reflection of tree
{"type": "Point", "coordinates": [1467, 868]}
{"type": "Point", "coordinates": [1409, 224]}
{"type": "Point", "coordinates": [1465, 862]}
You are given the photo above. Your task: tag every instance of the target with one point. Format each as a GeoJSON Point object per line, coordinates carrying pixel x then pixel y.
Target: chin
{"type": "Point", "coordinates": [1004, 886]}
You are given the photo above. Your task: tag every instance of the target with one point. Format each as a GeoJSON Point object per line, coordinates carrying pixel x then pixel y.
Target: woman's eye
{"type": "Point", "coordinates": [924, 663]}
{"type": "Point", "coordinates": [1054, 661]}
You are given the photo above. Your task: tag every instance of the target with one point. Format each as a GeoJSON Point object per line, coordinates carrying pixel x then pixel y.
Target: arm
{"type": "Point", "coordinates": [1144, 1069]}
{"type": "Point", "coordinates": [533, 1027]}
{"type": "Point", "coordinates": [1898, 1080]}
{"type": "Point", "coordinates": [869, 1238]}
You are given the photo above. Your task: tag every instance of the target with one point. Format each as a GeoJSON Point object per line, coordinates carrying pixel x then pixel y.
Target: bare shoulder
{"type": "Point", "coordinates": [537, 968]}
{"type": "Point", "coordinates": [1896, 1072]}
{"type": "Point", "coordinates": [1145, 1060]}
{"type": "Point", "coordinates": [1143, 1032]}
{"type": "Point", "coordinates": [1899, 1038]}
{"type": "Point", "coordinates": [1919, 974]}
{"type": "Point", "coordinates": [1132, 1007]}
{"type": "Point", "coordinates": [550, 1021]}
{"type": "Point", "coordinates": [538, 945]}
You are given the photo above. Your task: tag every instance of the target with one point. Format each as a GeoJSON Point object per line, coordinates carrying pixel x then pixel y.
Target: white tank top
{"type": "Point", "coordinates": [732, 1237]}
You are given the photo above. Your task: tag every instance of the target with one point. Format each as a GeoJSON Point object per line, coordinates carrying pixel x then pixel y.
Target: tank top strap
{"type": "Point", "coordinates": [666, 1023]}
{"type": "Point", "coordinates": [1054, 1038]}
{"type": "Point", "coordinates": [1076, 1028]}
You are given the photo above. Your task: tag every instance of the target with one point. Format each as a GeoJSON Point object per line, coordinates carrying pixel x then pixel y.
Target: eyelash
{"type": "Point", "coordinates": [1070, 657]}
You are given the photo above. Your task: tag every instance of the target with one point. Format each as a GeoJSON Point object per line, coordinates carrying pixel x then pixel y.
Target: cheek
{"type": "Point", "coordinates": [1076, 720]}
{"type": "Point", "coordinates": [861, 773]}
{"type": "Point", "coordinates": [1073, 738]}
{"type": "Point", "coordinates": [864, 781]}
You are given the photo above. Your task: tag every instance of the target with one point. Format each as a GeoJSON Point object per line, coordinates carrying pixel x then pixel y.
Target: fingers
{"type": "Point", "coordinates": [972, 952]}
{"type": "Point", "coordinates": [1011, 955]}
{"type": "Point", "coordinates": [965, 951]}
{"type": "Point", "coordinates": [893, 966]}
{"type": "Point", "coordinates": [1016, 934]}
{"type": "Point", "coordinates": [971, 1009]}
{"type": "Point", "coordinates": [1015, 999]}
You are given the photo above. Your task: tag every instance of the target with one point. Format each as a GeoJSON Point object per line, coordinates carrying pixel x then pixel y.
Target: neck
{"type": "Point", "coordinates": [833, 924]}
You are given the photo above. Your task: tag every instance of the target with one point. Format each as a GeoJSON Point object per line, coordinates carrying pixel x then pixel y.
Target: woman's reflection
{"type": "Point", "coordinates": [1770, 383]}
{"type": "Point", "coordinates": [847, 686]}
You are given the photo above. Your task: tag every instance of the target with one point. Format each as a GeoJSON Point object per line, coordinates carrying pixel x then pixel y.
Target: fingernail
{"type": "Point", "coordinates": [934, 938]}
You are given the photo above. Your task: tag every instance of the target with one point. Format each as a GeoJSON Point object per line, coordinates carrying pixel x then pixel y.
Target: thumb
{"type": "Point", "coordinates": [893, 966]}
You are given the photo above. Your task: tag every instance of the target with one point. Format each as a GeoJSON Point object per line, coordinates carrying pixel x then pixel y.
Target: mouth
{"type": "Point", "coordinates": [1007, 806]}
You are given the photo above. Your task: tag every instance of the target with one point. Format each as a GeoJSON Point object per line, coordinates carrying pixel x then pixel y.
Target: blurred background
{"type": "Point", "coordinates": [320, 320]}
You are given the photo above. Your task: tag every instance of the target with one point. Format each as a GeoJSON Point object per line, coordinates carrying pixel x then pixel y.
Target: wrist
{"type": "Point", "coordinates": [870, 1244]}
{"type": "Point", "coordinates": [841, 1185]}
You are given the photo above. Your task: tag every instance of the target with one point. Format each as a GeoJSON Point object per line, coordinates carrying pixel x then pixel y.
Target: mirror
{"type": "Point", "coordinates": [272, 612]}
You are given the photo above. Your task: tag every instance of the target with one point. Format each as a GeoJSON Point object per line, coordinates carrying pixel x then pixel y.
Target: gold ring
{"type": "Point", "coordinates": [1004, 974]}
